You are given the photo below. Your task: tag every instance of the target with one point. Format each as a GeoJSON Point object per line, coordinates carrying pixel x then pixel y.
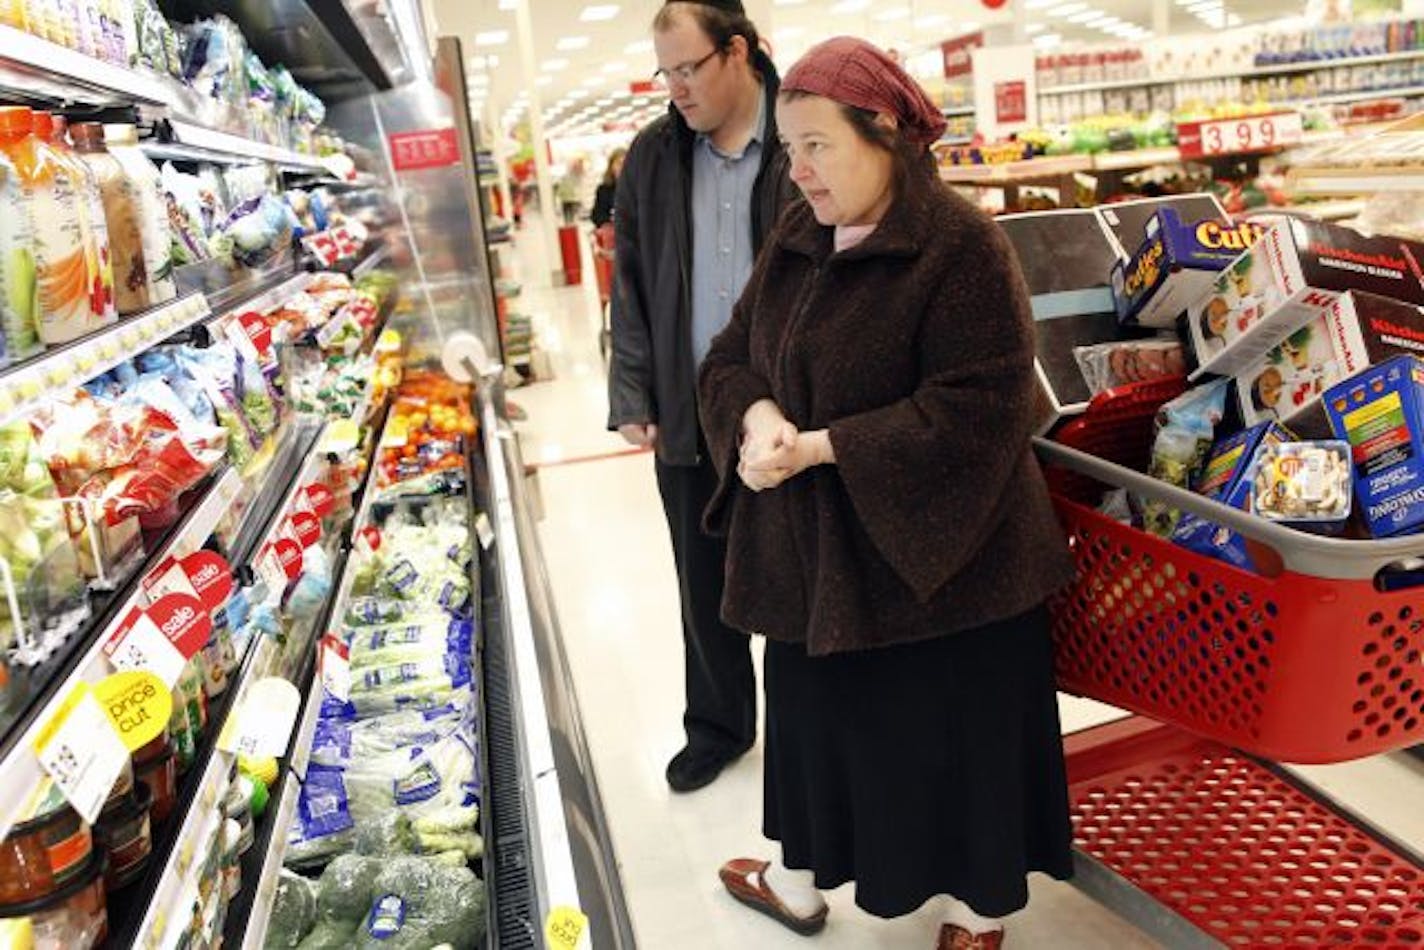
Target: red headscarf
{"type": "Point", "coordinates": [855, 73]}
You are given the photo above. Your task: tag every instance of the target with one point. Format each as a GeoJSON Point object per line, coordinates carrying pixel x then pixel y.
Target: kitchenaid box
{"type": "Point", "coordinates": [1176, 266]}
{"type": "Point", "coordinates": [1358, 331]}
{"type": "Point", "coordinates": [1067, 257]}
{"type": "Point", "coordinates": [1292, 276]}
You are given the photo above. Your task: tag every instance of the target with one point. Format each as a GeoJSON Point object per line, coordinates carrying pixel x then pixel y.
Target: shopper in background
{"type": "Point", "coordinates": [603, 198]}
{"type": "Point", "coordinates": [570, 190]}
{"type": "Point", "coordinates": [701, 188]}
{"type": "Point", "coordinates": [869, 408]}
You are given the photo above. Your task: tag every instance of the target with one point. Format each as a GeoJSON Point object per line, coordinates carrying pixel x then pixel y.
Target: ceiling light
{"type": "Point", "coordinates": [592, 82]}
{"type": "Point", "coordinates": [593, 14]}
{"type": "Point", "coordinates": [849, 6]}
{"type": "Point", "coordinates": [1048, 40]}
{"type": "Point", "coordinates": [615, 67]}
{"type": "Point", "coordinates": [544, 80]}
{"type": "Point", "coordinates": [478, 79]}
{"type": "Point", "coordinates": [570, 43]}
{"type": "Point", "coordinates": [1066, 9]}
{"type": "Point", "coordinates": [969, 26]}
{"type": "Point", "coordinates": [1039, 4]}
{"type": "Point", "coordinates": [554, 65]}
{"type": "Point", "coordinates": [893, 14]}
{"type": "Point", "coordinates": [930, 21]}
{"type": "Point", "coordinates": [492, 38]}
{"type": "Point", "coordinates": [639, 47]}
{"type": "Point", "coordinates": [1084, 16]}
{"type": "Point", "coordinates": [477, 63]}
{"type": "Point", "coordinates": [604, 103]}
{"type": "Point", "coordinates": [1100, 21]}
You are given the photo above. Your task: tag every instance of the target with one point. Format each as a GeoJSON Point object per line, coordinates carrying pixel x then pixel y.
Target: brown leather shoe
{"type": "Point", "coordinates": [745, 879]}
{"type": "Point", "coordinates": [955, 937]}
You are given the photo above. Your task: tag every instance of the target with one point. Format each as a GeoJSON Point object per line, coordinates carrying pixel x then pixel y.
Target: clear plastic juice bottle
{"type": "Point", "coordinates": [19, 289]}
{"type": "Point", "coordinates": [122, 142]}
{"type": "Point", "coordinates": [51, 130]}
{"type": "Point", "coordinates": [59, 251]}
{"type": "Point", "coordinates": [122, 214]}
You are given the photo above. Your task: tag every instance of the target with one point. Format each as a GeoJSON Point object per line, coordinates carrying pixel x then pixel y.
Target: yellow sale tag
{"type": "Point", "coordinates": [564, 928]}
{"type": "Point", "coordinates": [342, 436]}
{"type": "Point", "coordinates": [138, 706]}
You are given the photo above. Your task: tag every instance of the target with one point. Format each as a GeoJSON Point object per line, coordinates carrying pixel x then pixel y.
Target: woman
{"type": "Point", "coordinates": [869, 409]}
{"type": "Point", "coordinates": [603, 197]}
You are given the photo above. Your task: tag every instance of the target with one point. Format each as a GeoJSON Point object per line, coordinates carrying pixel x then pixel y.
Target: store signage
{"type": "Point", "coordinates": [205, 575]}
{"type": "Point", "coordinates": [644, 87]}
{"type": "Point", "coordinates": [334, 663]}
{"type": "Point", "coordinates": [80, 750]}
{"type": "Point", "coordinates": [318, 499]}
{"type": "Point", "coordinates": [427, 148]}
{"type": "Point", "coordinates": [289, 553]}
{"type": "Point", "coordinates": [258, 330]}
{"type": "Point", "coordinates": [307, 527]}
{"type": "Point", "coordinates": [958, 54]}
{"type": "Point", "coordinates": [138, 705]}
{"type": "Point", "coordinates": [161, 638]}
{"type": "Point", "coordinates": [1011, 102]}
{"type": "Point", "coordinates": [1257, 133]}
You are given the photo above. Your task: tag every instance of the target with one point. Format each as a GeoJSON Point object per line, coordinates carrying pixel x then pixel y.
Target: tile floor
{"type": "Point", "coordinates": [606, 546]}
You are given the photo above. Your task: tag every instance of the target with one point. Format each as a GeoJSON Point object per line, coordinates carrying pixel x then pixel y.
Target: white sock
{"type": "Point", "coordinates": [961, 914]}
{"type": "Point", "coordinates": [796, 889]}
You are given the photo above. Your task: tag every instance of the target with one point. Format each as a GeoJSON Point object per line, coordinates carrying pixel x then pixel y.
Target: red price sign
{"type": "Point", "coordinates": [323, 246]}
{"type": "Point", "coordinates": [319, 499]}
{"type": "Point", "coordinates": [289, 553]}
{"type": "Point", "coordinates": [211, 577]}
{"type": "Point", "coordinates": [958, 54]}
{"type": "Point", "coordinates": [258, 330]}
{"type": "Point", "coordinates": [1011, 102]}
{"type": "Point", "coordinates": [307, 527]}
{"type": "Point", "coordinates": [428, 148]}
{"type": "Point", "coordinates": [1257, 133]}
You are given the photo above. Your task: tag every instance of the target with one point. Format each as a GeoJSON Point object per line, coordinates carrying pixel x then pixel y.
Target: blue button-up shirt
{"type": "Point", "coordinates": [721, 232]}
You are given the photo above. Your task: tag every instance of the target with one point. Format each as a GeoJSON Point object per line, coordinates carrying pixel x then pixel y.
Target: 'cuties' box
{"type": "Point", "coordinates": [1380, 413]}
{"type": "Point", "coordinates": [1175, 266]}
{"type": "Point", "coordinates": [1292, 275]}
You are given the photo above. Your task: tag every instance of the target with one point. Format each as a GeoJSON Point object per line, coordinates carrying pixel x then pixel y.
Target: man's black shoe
{"type": "Point", "coordinates": [695, 768]}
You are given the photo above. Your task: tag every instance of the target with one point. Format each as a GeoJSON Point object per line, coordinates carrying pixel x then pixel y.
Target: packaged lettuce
{"type": "Point", "coordinates": [323, 827]}
{"type": "Point", "coordinates": [426, 579]}
{"type": "Point", "coordinates": [337, 744]}
{"type": "Point", "coordinates": [404, 643]}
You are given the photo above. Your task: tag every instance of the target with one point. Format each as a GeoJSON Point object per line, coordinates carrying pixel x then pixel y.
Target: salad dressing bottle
{"type": "Point", "coordinates": [50, 129]}
{"type": "Point", "coordinates": [19, 290]}
{"type": "Point", "coordinates": [122, 142]}
{"type": "Point", "coordinates": [123, 210]}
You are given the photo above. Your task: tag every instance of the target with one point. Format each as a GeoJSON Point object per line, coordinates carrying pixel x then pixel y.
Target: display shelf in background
{"type": "Point", "coordinates": [1005, 173]}
{"type": "Point", "coordinates": [1254, 73]}
{"type": "Point", "coordinates": [196, 143]}
{"type": "Point", "coordinates": [952, 111]}
{"type": "Point", "coordinates": [142, 919]}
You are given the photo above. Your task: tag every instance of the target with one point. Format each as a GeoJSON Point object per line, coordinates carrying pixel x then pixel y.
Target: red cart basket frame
{"type": "Point", "coordinates": [1308, 660]}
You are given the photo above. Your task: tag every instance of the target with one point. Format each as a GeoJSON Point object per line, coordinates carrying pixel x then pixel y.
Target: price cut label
{"type": "Point", "coordinates": [80, 750]}
{"type": "Point", "coordinates": [564, 928]}
{"type": "Point", "coordinates": [335, 664]}
{"type": "Point", "coordinates": [1244, 135]}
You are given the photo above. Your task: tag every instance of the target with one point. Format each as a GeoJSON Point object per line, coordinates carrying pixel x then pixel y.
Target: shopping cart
{"type": "Point", "coordinates": [602, 240]}
{"type": "Point", "coordinates": [1313, 657]}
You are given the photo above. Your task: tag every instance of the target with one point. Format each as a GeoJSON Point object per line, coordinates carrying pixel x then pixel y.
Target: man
{"type": "Point", "coordinates": [701, 189]}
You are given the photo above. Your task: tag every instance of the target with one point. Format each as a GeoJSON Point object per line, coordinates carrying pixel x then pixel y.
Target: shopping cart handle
{"type": "Point", "coordinates": [1300, 552]}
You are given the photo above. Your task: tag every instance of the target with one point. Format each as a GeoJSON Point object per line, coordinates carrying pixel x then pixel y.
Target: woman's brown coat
{"type": "Point", "coordinates": [915, 349]}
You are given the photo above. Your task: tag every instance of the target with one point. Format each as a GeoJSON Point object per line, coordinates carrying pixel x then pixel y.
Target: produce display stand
{"type": "Point", "coordinates": [1183, 824]}
{"type": "Point", "coordinates": [1391, 160]}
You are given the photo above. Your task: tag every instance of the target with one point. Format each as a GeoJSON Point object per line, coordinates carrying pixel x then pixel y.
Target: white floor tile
{"type": "Point", "coordinates": [607, 550]}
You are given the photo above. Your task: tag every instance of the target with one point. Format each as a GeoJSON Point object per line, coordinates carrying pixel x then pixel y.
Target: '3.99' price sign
{"type": "Point", "coordinates": [1240, 136]}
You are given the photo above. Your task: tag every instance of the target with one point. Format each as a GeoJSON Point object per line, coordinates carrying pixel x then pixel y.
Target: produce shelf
{"type": "Point", "coordinates": [1136, 158]}
{"type": "Point", "coordinates": [196, 143]}
{"type": "Point", "coordinates": [1008, 173]}
{"type": "Point", "coordinates": [36, 70]}
{"type": "Point", "coordinates": [1283, 69]}
{"type": "Point", "coordinates": [171, 870]}
{"type": "Point", "coordinates": [952, 111]}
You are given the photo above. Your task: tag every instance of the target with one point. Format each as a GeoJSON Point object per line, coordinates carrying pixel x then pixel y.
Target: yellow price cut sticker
{"type": "Point", "coordinates": [565, 928]}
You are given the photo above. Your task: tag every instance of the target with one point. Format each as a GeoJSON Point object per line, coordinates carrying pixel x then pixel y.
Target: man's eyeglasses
{"type": "Point", "coordinates": [684, 73]}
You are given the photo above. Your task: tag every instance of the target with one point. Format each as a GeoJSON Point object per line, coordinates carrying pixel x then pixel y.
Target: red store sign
{"type": "Point", "coordinates": [958, 54]}
{"type": "Point", "coordinates": [428, 148]}
{"type": "Point", "coordinates": [1011, 102]}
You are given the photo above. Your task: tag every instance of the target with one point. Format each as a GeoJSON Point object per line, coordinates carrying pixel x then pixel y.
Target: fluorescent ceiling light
{"type": "Point", "coordinates": [1084, 16]}
{"type": "Point", "coordinates": [570, 43]}
{"type": "Point", "coordinates": [593, 82]}
{"type": "Point", "coordinates": [477, 62]}
{"type": "Point", "coordinates": [893, 14]}
{"type": "Point", "coordinates": [492, 38]}
{"type": "Point", "coordinates": [639, 47]}
{"type": "Point", "coordinates": [1100, 21]}
{"type": "Point", "coordinates": [1066, 9]}
{"type": "Point", "coordinates": [849, 6]}
{"type": "Point", "coordinates": [604, 11]}
{"type": "Point", "coordinates": [508, 4]}
{"type": "Point", "coordinates": [554, 65]}
{"type": "Point", "coordinates": [604, 103]}
{"type": "Point", "coordinates": [970, 26]}
{"type": "Point", "coordinates": [1039, 4]}
{"type": "Point", "coordinates": [615, 67]}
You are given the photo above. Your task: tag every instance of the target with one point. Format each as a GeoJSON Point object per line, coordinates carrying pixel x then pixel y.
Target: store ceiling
{"type": "Point", "coordinates": [584, 66]}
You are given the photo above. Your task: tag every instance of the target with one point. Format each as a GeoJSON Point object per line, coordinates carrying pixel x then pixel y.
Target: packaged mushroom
{"type": "Point", "coordinates": [1307, 485]}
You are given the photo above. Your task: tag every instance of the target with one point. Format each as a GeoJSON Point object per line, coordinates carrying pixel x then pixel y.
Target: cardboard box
{"type": "Point", "coordinates": [1380, 413]}
{"type": "Point", "coordinates": [1295, 272]}
{"type": "Point", "coordinates": [1176, 266]}
{"type": "Point", "coordinates": [1127, 221]}
{"type": "Point", "coordinates": [1067, 258]}
{"type": "Point", "coordinates": [1356, 332]}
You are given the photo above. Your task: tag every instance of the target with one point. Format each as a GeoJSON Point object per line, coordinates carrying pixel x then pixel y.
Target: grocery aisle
{"type": "Point", "coordinates": [605, 544]}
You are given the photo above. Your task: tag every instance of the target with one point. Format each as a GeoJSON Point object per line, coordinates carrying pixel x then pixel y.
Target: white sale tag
{"type": "Point", "coordinates": [264, 719]}
{"type": "Point", "coordinates": [336, 670]}
{"type": "Point", "coordinates": [172, 580]}
{"type": "Point", "coordinates": [82, 753]}
{"type": "Point", "coordinates": [145, 647]}
{"type": "Point", "coordinates": [483, 531]}
{"type": "Point", "coordinates": [270, 570]}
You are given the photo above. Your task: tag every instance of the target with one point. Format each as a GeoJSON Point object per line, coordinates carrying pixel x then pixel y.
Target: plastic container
{"type": "Point", "coordinates": [1305, 484]}
{"type": "Point", "coordinates": [74, 917]}
{"type": "Point", "coordinates": [44, 853]}
{"type": "Point", "coordinates": [155, 767]}
{"type": "Point", "coordinates": [51, 129]}
{"type": "Point", "coordinates": [126, 836]}
{"type": "Point", "coordinates": [238, 808]}
{"type": "Point", "coordinates": [232, 851]}
{"type": "Point", "coordinates": [122, 215]}
{"type": "Point", "coordinates": [122, 143]}
{"type": "Point", "coordinates": [123, 787]}
{"type": "Point", "coordinates": [19, 336]}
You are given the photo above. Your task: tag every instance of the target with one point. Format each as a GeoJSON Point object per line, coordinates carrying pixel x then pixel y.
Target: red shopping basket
{"type": "Point", "coordinates": [1309, 661]}
{"type": "Point", "coordinates": [603, 261]}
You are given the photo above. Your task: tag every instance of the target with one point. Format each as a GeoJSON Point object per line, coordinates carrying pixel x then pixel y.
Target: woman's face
{"type": "Point", "coordinates": [617, 166]}
{"type": "Point", "coordinates": [847, 180]}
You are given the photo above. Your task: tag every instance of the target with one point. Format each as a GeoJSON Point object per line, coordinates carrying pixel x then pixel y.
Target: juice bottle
{"type": "Point", "coordinates": [59, 251]}
{"type": "Point", "coordinates": [122, 213]}
{"type": "Point", "coordinates": [13, 13]}
{"type": "Point", "coordinates": [51, 130]}
{"type": "Point", "coordinates": [19, 293]}
{"type": "Point", "coordinates": [182, 733]}
{"type": "Point", "coordinates": [122, 142]}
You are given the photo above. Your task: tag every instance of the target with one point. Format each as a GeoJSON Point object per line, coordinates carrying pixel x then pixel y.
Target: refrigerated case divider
{"type": "Point", "coordinates": [20, 771]}
{"type": "Point", "coordinates": [169, 872]}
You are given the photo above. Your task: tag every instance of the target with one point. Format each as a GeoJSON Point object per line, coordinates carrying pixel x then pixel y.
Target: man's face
{"type": "Point", "coordinates": [701, 80]}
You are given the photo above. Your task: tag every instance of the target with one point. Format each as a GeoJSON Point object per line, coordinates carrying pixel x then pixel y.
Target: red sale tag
{"type": "Point", "coordinates": [335, 665]}
{"type": "Point", "coordinates": [369, 540]}
{"type": "Point", "coordinates": [289, 553]}
{"type": "Point", "coordinates": [320, 498]}
{"type": "Point", "coordinates": [429, 148]}
{"type": "Point", "coordinates": [308, 528]}
{"type": "Point", "coordinates": [184, 621]}
{"type": "Point", "coordinates": [257, 330]}
{"type": "Point", "coordinates": [323, 247]}
{"type": "Point", "coordinates": [211, 577]}
{"type": "Point", "coordinates": [1240, 136]}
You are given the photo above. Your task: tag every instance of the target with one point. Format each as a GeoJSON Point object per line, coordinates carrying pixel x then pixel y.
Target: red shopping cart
{"type": "Point", "coordinates": [1312, 658]}
{"type": "Point", "coordinates": [602, 240]}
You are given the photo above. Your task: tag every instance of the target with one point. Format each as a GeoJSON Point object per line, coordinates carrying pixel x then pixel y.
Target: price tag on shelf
{"type": "Point", "coordinates": [483, 531]}
{"type": "Point", "coordinates": [270, 570]}
{"type": "Point", "coordinates": [167, 578]}
{"type": "Point", "coordinates": [564, 929]}
{"type": "Point", "coordinates": [289, 554]}
{"type": "Point", "coordinates": [1240, 136]}
{"type": "Point", "coordinates": [210, 576]}
{"type": "Point", "coordinates": [139, 644]}
{"type": "Point", "coordinates": [335, 665]}
{"type": "Point", "coordinates": [307, 527]}
{"type": "Point", "coordinates": [138, 705]}
{"type": "Point", "coordinates": [265, 719]}
{"type": "Point", "coordinates": [80, 750]}
{"type": "Point", "coordinates": [317, 499]}
{"type": "Point", "coordinates": [323, 247]}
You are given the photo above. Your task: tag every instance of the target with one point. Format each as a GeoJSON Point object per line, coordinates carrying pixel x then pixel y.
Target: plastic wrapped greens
{"type": "Point", "coordinates": [410, 642]}
{"type": "Point", "coordinates": [336, 744]}
{"type": "Point", "coordinates": [294, 912]}
{"type": "Point", "coordinates": [405, 902]}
